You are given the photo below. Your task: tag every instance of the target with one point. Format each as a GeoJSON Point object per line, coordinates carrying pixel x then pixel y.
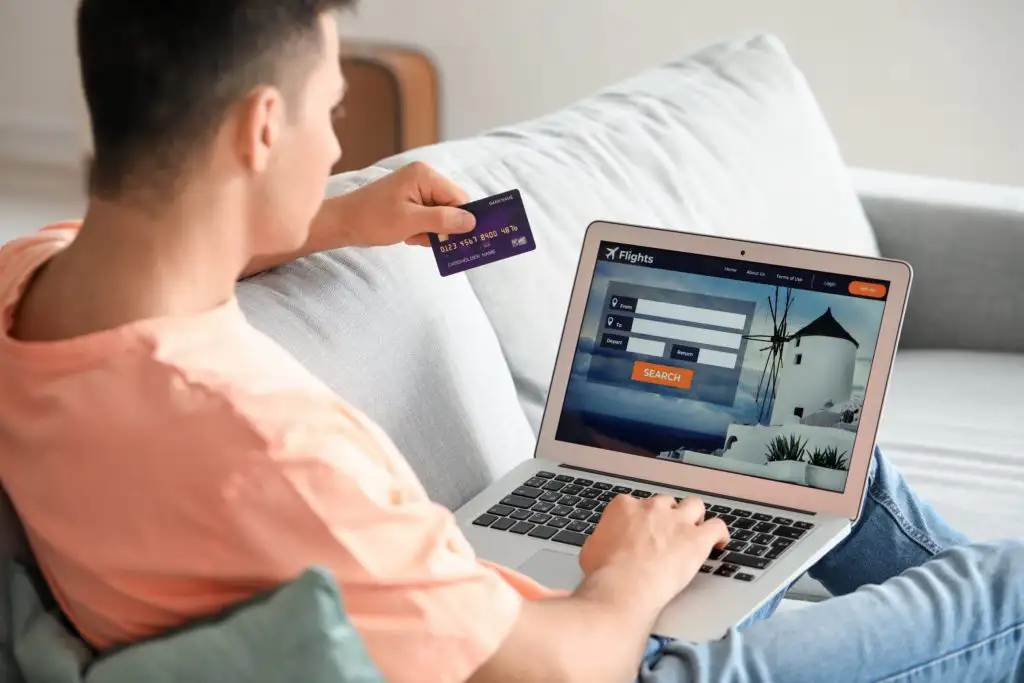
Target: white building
{"type": "Point", "coordinates": [817, 367]}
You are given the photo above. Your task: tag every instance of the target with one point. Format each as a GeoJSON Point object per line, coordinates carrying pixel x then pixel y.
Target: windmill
{"type": "Point", "coordinates": [776, 343]}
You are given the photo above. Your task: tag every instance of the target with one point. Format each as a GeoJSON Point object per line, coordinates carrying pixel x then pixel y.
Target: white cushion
{"type": "Point", "coordinates": [410, 349]}
{"type": "Point", "coordinates": [729, 141]}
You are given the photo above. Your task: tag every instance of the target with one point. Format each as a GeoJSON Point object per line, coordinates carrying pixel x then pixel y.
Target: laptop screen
{"type": "Point", "coordinates": [750, 368]}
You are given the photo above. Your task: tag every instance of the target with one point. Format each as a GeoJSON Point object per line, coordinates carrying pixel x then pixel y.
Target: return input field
{"type": "Point", "coordinates": [690, 314]}
{"type": "Point", "coordinates": [694, 335]}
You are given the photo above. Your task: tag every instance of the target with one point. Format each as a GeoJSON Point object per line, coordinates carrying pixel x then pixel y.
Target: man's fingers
{"type": "Point", "coordinates": [435, 189]}
{"type": "Point", "coordinates": [714, 532]}
{"type": "Point", "coordinates": [692, 509]}
{"type": "Point", "coordinates": [418, 241]}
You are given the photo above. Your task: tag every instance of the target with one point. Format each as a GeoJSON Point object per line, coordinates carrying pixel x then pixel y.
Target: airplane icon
{"type": "Point", "coordinates": [609, 252]}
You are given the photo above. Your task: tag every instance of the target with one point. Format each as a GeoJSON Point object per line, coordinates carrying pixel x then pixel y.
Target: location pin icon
{"type": "Point", "coordinates": [611, 321]}
{"type": "Point", "coordinates": [615, 302]}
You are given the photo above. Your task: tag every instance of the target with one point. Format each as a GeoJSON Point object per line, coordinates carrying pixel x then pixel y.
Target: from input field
{"type": "Point", "coordinates": [694, 335]}
{"type": "Point", "coordinates": [691, 314]}
{"type": "Point", "coordinates": [646, 347]}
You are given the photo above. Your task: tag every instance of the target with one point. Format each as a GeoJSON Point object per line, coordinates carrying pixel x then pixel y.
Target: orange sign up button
{"type": "Point", "coordinates": [872, 289]}
{"type": "Point", "coordinates": [665, 375]}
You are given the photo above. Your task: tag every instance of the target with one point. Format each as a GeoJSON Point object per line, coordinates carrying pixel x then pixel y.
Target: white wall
{"type": "Point", "coordinates": [926, 86]}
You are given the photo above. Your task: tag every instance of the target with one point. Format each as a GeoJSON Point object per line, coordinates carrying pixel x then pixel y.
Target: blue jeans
{"type": "Point", "coordinates": [915, 602]}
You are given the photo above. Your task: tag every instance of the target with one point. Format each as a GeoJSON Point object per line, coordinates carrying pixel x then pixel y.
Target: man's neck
{"type": "Point", "coordinates": [131, 262]}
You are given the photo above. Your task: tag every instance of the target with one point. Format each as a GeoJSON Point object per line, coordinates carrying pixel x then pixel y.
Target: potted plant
{"type": "Point", "coordinates": [827, 468]}
{"type": "Point", "coordinates": [784, 459]}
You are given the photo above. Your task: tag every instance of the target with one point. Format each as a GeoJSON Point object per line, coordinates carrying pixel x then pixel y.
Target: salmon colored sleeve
{"type": "Point", "coordinates": [328, 493]}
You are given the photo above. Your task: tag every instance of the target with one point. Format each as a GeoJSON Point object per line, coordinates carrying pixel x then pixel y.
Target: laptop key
{"type": "Point", "coordinates": [709, 515]}
{"type": "Point", "coordinates": [772, 554]}
{"type": "Point", "coordinates": [561, 510]}
{"type": "Point", "coordinates": [543, 507]}
{"type": "Point", "coordinates": [743, 524]}
{"type": "Point", "coordinates": [747, 560]}
{"type": "Point", "coordinates": [590, 493]}
{"type": "Point", "coordinates": [781, 543]}
{"type": "Point", "coordinates": [521, 514]}
{"type": "Point", "coordinates": [744, 577]}
{"type": "Point", "coordinates": [543, 532]}
{"type": "Point", "coordinates": [518, 501]}
{"type": "Point", "coordinates": [601, 507]}
{"type": "Point", "coordinates": [528, 492]}
{"type": "Point", "coordinates": [503, 523]}
{"type": "Point", "coordinates": [540, 518]}
{"type": "Point", "coordinates": [762, 517]}
{"type": "Point", "coordinates": [551, 497]}
{"type": "Point", "coordinates": [580, 514]}
{"type": "Point", "coordinates": [720, 508]}
{"type": "Point", "coordinates": [726, 570]}
{"type": "Point", "coordinates": [764, 527]}
{"type": "Point", "coordinates": [752, 549]}
{"type": "Point", "coordinates": [763, 539]}
{"type": "Point", "coordinates": [742, 535]}
{"type": "Point", "coordinates": [716, 553]}
{"type": "Point", "coordinates": [735, 546]}
{"type": "Point", "coordinates": [595, 518]}
{"type": "Point", "coordinates": [485, 520]}
{"type": "Point", "coordinates": [590, 529]}
{"type": "Point", "coordinates": [602, 486]}
{"type": "Point", "coordinates": [558, 522]}
{"type": "Point", "coordinates": [803, 525]}
{"type": "Point", "coordinates": [782, 520]}
{"type": "Point", "coordinates": [535, 482]}
{"type": "Point", "coordinates": [622, 489]}
{"type": "Point", "coordinates": [569, 500]}
{"type": "Point", "coordinates": [584, 482]}
{"type": "Point", "coordinates": [639, 493]}
{"type": "Point", "coordinates": [564, 477]}
{"type": "Point", "coordinates": [572, 489]}
{"type": "Point", "coordinates": [728, 519]}
{"type": "Point", "coordinates": [742, 513]}
{"type": "Point", "coordinates": [789, 532]}
{"type": "Point", "coordinates": [522, 528]}
{"type": "Point", "coordinates": [577, 526]}
{"type": "Point", "coordinates": [501, 510]}
{"type": "Point", "coordinates": [569, 537]}
{"type": "Point", "coordinates": [546, 475]}
{"type": "Point", "coordinates": [553, 486]}
{"type": "Point", "coordinates": [587, 505]}
{"type": "Point", "coordinates": [705, 569]}
{"type": "Point", "coordinates": [607, 496]}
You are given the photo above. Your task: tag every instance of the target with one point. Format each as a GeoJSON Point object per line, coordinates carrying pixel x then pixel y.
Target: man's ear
{"type": "Point", "coordinates": [261, 119]}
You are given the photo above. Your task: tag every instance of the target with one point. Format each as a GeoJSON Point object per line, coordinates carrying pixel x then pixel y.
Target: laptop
{"type": "Point", "coordinates": [751, 375]}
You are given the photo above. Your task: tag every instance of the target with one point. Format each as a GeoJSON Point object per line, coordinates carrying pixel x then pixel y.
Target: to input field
{"type": "Point", "coordinates": [691, 314]}
{"type": "Point", "coordinates": [694, 335]}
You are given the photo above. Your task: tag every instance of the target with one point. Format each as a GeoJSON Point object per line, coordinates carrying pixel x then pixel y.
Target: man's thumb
{"type": "Point", "coordinates": [451, 221]}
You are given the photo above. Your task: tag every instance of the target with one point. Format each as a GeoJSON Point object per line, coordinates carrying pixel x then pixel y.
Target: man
{"type": "Point", "coordinates": [168, 460]}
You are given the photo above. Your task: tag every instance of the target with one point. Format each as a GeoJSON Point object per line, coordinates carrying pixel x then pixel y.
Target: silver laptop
{"type": "Point", "coordinates": [749, 374]}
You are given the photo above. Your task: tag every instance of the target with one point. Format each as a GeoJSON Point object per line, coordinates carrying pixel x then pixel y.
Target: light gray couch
{"type": "Point", "coordinates": [729, 141]}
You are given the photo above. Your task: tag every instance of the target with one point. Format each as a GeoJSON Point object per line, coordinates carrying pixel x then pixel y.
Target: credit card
{"type": "Point", "coordinates": [502, 230]}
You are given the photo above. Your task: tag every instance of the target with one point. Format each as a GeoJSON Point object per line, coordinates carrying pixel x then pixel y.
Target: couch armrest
{"type": "Point", "coordinates": [965, 242]}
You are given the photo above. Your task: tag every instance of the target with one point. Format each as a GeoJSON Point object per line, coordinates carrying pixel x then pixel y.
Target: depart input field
{"type": "Point", "coordinates": [690, 314]}
{"type": "Point", "coordinates": [694, 335]}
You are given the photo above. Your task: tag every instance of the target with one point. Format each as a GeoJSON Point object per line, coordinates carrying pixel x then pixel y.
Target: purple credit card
{"type": "Point", "coordinates": [502, 230]}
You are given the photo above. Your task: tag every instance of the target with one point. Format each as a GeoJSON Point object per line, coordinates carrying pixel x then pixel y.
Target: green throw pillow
{"type": "Point", "coordinates": [298, 632]}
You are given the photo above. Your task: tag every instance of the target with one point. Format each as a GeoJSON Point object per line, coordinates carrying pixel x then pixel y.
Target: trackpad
{"type": "Point", "coordinates": [554, 569]}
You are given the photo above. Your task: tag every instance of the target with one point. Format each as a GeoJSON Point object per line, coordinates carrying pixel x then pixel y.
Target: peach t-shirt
{"type": "Point", "coordinates": [172, 467]}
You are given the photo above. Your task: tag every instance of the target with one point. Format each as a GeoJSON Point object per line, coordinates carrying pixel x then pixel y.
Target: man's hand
{"type": "Point", "coordinates": [656, 542]}
{"type": "Point", "coordinates": [403, 207]}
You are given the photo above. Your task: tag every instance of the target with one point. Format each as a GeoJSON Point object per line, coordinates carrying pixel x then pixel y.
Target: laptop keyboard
{"type": "Point", "coordinates": [566, 509]}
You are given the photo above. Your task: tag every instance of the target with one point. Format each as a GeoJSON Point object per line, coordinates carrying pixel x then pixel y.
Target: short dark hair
{"type": "Point", "coordinates": [160, 75]}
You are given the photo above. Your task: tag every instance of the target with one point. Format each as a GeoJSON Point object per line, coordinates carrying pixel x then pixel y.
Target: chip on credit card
{"type": "Point", "coordinates": [502, 230]}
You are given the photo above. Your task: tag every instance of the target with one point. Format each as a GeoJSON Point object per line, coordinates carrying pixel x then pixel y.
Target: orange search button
{"type": "Point", "coordinates": [665, 375]}
{"type": "Point", "coordinates": [872, 289]}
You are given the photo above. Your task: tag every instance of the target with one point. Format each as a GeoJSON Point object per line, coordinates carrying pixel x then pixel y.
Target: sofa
{"type": "Point", "coordinates": [728, 141]}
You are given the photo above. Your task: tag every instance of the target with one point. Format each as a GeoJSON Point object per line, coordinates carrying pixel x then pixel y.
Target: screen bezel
{"type": "Point", "coordinates": [847, 504]}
